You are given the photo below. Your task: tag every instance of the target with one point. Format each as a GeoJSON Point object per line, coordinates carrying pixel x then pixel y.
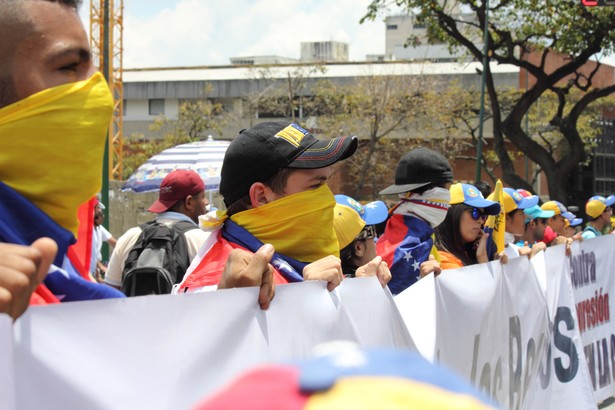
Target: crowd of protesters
{"type": "Point", "coordinates": [282, 223]}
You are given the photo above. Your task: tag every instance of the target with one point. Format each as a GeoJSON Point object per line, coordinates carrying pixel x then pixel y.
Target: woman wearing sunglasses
{"type": "Point", "coordinates": [460, 239]}
{"type": "Point", "coordinates": [358, 250]}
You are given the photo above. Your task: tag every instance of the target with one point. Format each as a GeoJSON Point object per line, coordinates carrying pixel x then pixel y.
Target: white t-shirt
{"type": "Point", "coordinates": [99, 235]}
{"type": "Point", "coordinates": [194, 240]}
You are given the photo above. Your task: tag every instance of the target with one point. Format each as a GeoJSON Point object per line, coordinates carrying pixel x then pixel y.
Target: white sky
{"type": "Point", "coordinates": [174, 33]}
{"type": "Point", "coordinates": [169, 33]}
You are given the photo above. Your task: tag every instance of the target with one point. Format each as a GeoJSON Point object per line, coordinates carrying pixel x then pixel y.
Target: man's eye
{"type": "Point", "coordinates": [70, 67]}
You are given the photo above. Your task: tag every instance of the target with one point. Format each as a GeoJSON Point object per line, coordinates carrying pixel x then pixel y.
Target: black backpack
{"type": "Point", "coordinates": [158, 260]}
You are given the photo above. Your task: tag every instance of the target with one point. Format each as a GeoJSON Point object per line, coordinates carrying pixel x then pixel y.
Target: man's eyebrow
{"type": "Point", "coordinates": [319, 178]}
{"type": "Point", "coordinates": [84, 54]}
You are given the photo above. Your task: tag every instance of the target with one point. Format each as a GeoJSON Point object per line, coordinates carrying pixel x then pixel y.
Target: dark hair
{"type": "Point", "coordinates": [512, 213]}
{"type": "Point", "coordinates": [483, 187]}
{"type": "Point", "coordinates": [277, 183]}
{"type": "Point", "coordinates": [449, 239]}
{"type": "Point", "coordinates": [347, 256]}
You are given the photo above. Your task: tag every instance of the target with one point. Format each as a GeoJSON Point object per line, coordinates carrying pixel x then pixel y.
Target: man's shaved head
{"type": "Point", "coordinates": [15, 25]}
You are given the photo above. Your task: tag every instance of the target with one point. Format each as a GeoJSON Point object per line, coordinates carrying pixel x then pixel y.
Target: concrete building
{"type": "Point", "coordinates": [406, 39]}
{"type": "Point", "coordinates": [149, 93]}
{"type": "Point", "coordinates": [325, 51]}
{"type": "Point", "coordinates": [262, 60]}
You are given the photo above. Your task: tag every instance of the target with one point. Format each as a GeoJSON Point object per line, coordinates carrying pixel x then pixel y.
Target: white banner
{"type": "Point", "coordinates": [593, 280]}
{"type": "Point", "coordinates": [509, 329]}
{"type": "Point", "coordinates": [7, 374]}
{"type": "Point", "coordinates": [161, 352]}
{"type": "Point", "coordinates": [563, 377]}
{"type": "Point", "coordinates": [531, 335]}
{"type": "Point", "coordinates": [492, 327]}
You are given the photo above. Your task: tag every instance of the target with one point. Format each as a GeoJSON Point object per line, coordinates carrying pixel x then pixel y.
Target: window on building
{"type": "Point", "coordinates": [156, 106]}
{"type": "Point", "coordinates": [391, 26]}
{"type": "Point", "coordinates": [604, 159]}
{"type": "Point", "coordinates": [124, 108]}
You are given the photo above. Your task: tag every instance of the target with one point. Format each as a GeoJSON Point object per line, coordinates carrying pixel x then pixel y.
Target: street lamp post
{"type": "Point", "coordinates": [481, 115]}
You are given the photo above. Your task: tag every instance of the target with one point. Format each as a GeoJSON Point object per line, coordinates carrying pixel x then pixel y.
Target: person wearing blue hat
{"type": "Point", "coordinates": [599, 209]}
{"type": "Point", "coordinates": [535, 225]}
{"type": "Point", "coordinates": [356, 234]}
{"type": "Point", "coordinates": [572, 228]}
{"type": "Point", "coordinates": [514, 204]}
{"type": "Point", "coordinates": [460, 239]}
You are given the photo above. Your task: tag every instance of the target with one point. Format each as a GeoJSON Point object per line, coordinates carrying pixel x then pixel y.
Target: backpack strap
{"type": "Point", "coordinates": [184, 226]}
{"type": "Point", "coordinates": [180, 247]}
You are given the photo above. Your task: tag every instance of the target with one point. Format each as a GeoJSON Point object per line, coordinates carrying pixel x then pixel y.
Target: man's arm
{"type": "Point", "coordinates": [22, 269]}
{"type": "Point", "coordinates": [112, 241]}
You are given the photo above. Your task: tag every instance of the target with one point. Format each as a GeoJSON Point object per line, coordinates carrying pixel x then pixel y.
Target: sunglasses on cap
{"type": "Point", "coordinates": [368, 232]}
{"type": "Point", "coordinates": [478, 213]}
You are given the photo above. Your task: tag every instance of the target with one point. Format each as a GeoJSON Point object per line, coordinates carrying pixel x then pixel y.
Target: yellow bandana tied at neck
{"type": "Point", "coordinates": [52, 146]}
{"type": "Point", "coordinates": [298, 225]}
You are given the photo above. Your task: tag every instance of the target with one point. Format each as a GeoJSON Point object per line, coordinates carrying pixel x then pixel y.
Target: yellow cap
{"type": "Point", "coordinates": [347, 224]}
{"type": "Point", "coordinates": [595, 206]}
{"type": "Point", "coordinates": [554, 206]}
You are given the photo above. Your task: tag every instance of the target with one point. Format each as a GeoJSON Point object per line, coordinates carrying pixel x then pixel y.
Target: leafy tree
{"type": "Point", "coordinates": [280, 98]}
{"type": "Point", "coordinates": [527, 33]}
{"type": "Point", "coordinates": [391, 115]}
{"type": "Point", "coordinates": [374, 107]}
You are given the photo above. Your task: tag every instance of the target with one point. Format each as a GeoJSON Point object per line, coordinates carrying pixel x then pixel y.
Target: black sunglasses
{"type": "Point", "coordinates": [478, 213]}
{"type": "Point", "coordinates": [369, 232]}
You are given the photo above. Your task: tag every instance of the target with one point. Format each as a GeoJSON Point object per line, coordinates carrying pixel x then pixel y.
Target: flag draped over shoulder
{"type": "Point", "coordinates": [496, 224]}
{"type": "Point", "coordinates": [405, 244]}
{"type": "Point", "coordinates": [80, 252]}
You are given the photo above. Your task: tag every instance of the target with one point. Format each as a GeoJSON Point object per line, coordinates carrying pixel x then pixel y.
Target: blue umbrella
{"type": "Point", "coordinates": [204, 157]}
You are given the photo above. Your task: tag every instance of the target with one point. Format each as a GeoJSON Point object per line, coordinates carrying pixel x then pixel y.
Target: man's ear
{"type": "Point", "coordinates": [188, 202]}
{"type": "Point", "coordinates": [359, 248]}
{"type": "Point", "coordinates": [260, 194]}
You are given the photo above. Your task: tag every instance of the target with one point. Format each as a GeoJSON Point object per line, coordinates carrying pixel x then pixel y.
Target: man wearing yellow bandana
{"type": "Point", "coordinates": [54, 114]}
{"type": "Point", "coordinates": [274, 183]}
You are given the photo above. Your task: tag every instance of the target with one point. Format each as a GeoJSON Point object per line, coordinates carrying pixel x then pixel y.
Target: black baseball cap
{"type": "Point", "coordinates": [417, 168]}
{"type": "Point", "coordinates": [259, 152]}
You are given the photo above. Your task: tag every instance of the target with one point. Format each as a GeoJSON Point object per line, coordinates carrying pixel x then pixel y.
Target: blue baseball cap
{"type": "Point", "coordinates": [514, 200]}
{"type": "Point", "coordinates": [597, 204]}
{"type": "Point", "coordinates": [536, 212]}
{"type": "Point", "coordinates": [574, 221]}
{"type": "Point", "coordinates": [558, 208]}
{"type": "Point", "coordinates": [372, 213]}
{"type": "Point", "coordinates": [470, 195]}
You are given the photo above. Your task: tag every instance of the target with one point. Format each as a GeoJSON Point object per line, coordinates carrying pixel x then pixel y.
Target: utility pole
{"type": "Point", "coordinates": [481, 115]}
{"type": "Point", "coordinates": [106, 42]}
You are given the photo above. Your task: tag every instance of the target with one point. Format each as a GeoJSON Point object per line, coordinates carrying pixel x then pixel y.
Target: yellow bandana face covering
{"type": "Point", "coordinates": [52, 146]}
{"type": "Point", "coordinates": [298, 225]}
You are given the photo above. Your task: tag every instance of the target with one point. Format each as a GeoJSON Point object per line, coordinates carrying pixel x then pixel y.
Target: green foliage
{"type": "Point", "coordinates": [561, 101]}
{"type": "Point", "coordinates": [391, 117]}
